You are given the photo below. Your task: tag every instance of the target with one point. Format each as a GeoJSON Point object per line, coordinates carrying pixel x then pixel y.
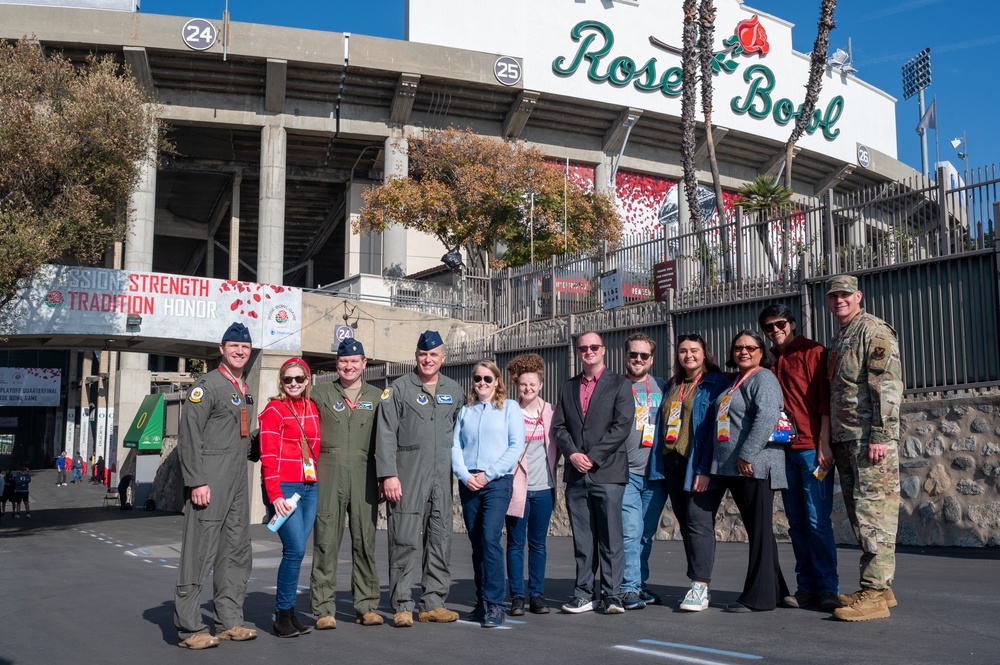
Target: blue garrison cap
{"type": "Point", "coordinates": [237, 332]}
{"type": "Point", "coordinates": [350, 347]}
{"type": "Point", "coordinates": [429, 339]}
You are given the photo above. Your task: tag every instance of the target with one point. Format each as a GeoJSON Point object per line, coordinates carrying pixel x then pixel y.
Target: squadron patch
{"type": "Point", "coordinates": [422, 399]}
{"type": "Point", "coordinates": [339, 406]}
{"type": "Point", "coordinates": [878, 353]}
{"type": "Point", "coordinates": [367, 406]}
{"type": "Point", "coordinates": [236, 399]}
{"type": "Point", "coordinates": [196, 395]}
{"type": "Point", "coordinates": [444, 399]}
{"type": "Point", "coordinates": [386, 393]}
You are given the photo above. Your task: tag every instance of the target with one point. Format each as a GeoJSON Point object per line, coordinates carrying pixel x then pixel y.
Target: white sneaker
{"type": "Point", "coordinates": [696, 599]}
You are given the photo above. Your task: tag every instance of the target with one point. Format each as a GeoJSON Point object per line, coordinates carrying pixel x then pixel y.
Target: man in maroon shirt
{"type": "Point", "coordinates": [801, 371]}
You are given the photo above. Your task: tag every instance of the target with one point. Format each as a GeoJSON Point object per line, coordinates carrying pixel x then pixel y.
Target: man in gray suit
{"type": "Point", "coordinates": [591, 424]}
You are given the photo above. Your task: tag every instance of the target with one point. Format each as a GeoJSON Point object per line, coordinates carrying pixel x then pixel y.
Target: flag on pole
{"type": "Point", "coordinates": [929, 119]}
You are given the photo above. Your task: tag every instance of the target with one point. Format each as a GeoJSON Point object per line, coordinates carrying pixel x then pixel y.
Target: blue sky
{"type": "Point", "coordinates": [962, 35]}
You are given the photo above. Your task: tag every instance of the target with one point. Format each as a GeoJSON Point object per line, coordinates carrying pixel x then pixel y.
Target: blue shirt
{"type": "Point", "coordinates": [488, 439]}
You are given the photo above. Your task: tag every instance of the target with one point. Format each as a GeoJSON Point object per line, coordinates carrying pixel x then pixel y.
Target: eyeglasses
{"type": "Point", "coordinates": [297, 379]}
{"type": "Point", "coordinates": [690, 337]}
{"type": "Point", "coordinates": [739, 348]}
{"type": "Point", "coordinates": [589, 347]}
{"type": "Point", "coordinates": [637, 354]}
{"type": "Point", "coordinates": [780, 324]}
{"type": "Point", "coordinates": [488, 379]}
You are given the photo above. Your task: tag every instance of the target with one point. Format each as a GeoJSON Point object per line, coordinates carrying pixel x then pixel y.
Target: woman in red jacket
{"type": "Point", "coordinates": [289, 447]}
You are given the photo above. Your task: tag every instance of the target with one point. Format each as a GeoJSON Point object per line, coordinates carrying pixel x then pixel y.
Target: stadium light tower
{"type": "Point", "coordinates": [916, 78]}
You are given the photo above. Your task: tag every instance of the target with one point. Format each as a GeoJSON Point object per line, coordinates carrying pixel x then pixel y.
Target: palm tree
{"type": "Point", "coordinates": [706, 39]}
{"type": "Point", "coordinates": [817, 68]}
{"type": "Point", "coordinates": [689, 92]}
{"type": "Point", "coordinates": [765, 198]}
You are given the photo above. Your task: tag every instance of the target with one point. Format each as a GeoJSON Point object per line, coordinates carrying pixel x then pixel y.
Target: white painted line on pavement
{"type": "Point", "coordinates": [671, 656]}
{"type": "Point", "coordinates": [718, 652]}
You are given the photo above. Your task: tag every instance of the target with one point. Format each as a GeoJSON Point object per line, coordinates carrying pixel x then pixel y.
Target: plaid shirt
{"type": "Point", "coordinates": [280, 453]}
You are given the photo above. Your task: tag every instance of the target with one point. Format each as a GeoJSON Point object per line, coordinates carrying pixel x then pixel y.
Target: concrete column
{"type": "Point", "coordinates": [394, 238]}
{"type": "Point", "coordinates": [262, 383]}
{"type": "Point", "coordinates": [142, 213]}
{"type": "Point", "coordinates": [364, 252]}
{"type": "Point", "coordinates": [271, 222]}
{"type": "Point", "coordinates": [234, 229]}
{"type": "Point", "coordinates": [602, 175]}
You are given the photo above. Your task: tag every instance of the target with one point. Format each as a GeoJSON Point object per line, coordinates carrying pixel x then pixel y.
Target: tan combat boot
{"type": "Point", "coordinates": [203, 640]}
{"type": "Point", "coordinates": [438, 615]}
{"type": "Point", "coordinates": [849, 599]}
{"type": "Point", "coordinates": [326, 623]}
{"type": "Point", "coordinates": [871, 604]}
{"type": "Point", "coordinates": [369, 619]}
{"type": "Point", "coordinates": [402, 619]}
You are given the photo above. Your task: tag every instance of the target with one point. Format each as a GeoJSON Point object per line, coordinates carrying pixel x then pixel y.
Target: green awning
{"type": "Point", "coordinates": [146, 431]}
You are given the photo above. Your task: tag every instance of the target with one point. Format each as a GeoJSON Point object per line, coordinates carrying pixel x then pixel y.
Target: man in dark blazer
{"type": "Point", "coordinates": [590, 424]}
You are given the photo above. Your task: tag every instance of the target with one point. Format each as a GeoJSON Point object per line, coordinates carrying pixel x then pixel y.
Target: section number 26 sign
{"type": "Point", "coordinates": [199, 34]}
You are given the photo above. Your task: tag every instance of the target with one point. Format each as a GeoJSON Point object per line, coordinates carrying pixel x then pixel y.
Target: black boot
{"type": "Point", "coordinates": [283, 624]}
{"type": "Point", "coordinates": [294, 616]}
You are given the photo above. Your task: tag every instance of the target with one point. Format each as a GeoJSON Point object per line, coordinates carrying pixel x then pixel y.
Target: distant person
{"type": "Point", "coordinates": [212, 447]}
{"type": "Point", "coordinates": [22, 480]}
{"type": "Point", "coordinates": [99, 471]}
{"type": "Point", "coordinates": [124, 483]}
{"type": "Point", "coordinates": [7, 496]}
{"type": "Point", "coordinates": [77, 468]}
{"type": "Point", "coordinates": [866, 390]}
{"type": "Point", "coordinates": [592, 421]}
{"type": "Point", "coordinates": [61, 462]}
{"type": "Point", "coordinates": [416, 421]}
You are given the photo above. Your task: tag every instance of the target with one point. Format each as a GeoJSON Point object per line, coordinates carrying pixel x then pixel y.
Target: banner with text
{"type": "Point", "coordinates": [97, 301]}
{"type": "Point", "coordinates": [30, 386]}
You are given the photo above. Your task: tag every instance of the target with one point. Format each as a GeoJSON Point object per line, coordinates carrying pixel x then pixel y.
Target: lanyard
{"type": "Point", "coordinates": [232, 380]}
{"type": "Point", "coordinates": [693, 386]}
{"type": "Point", "coordinates": [636, 395]}
{"type": "Point", "coordinates": [743, 378]}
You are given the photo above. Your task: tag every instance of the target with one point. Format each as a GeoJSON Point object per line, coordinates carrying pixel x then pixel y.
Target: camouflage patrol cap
{"type": "Point", "coordinates": [844, 283]}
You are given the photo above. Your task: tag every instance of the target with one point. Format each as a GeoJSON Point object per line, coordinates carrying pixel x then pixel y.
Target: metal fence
{"type": "Point", "coordinates": [924, 252]}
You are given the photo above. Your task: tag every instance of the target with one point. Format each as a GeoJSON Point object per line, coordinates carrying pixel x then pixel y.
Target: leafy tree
{"type": "Point", "coordinates": [766, 198]}
{"type": "Point", "coordinates": [817, 68]}
{"type": "Point", "coordinates": [475, 191]}
{"type": "Point", "coordinates": [71, 140]}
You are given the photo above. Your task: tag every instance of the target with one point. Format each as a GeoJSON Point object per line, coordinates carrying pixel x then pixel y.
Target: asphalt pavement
{"type": "Point", "coordinates": [82, 583]}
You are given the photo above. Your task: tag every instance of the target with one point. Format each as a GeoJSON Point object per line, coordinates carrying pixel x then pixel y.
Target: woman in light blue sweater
{"type": "Point", "coordinates": [489, 440]}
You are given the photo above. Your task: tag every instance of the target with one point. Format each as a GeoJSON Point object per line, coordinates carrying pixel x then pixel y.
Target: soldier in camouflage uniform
{"type": "Point", "coordinates": [866, 389]}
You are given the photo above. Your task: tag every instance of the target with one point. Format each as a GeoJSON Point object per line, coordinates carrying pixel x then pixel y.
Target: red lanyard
{"type": "Point", "coordinates": [232, 380]}
{"type": "Point", "coordinates": [636, 395]}
{"type": "Point", "coordinates": [693, 386]}
{"type": "Point", "coordinates": [743, 378]}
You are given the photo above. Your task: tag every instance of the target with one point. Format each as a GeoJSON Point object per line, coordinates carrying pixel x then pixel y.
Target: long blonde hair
{"type": "Point", "coordinates": [500, 394]}
{"type": "Point", "coordinates": [293, 362]}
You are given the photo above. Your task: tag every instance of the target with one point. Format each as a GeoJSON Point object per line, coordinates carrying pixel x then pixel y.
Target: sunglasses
{"type": "Point", "coordinates": [739, 348]}
{"type": "Point", "coordinates": [690, 337]}
{"type": "Point", "coordinates": [590, 347]}
{"type": "Point", "coordinates": [780, 325]}
{"type": "Point", "coordinates": [638, 354]}
{"type": "Point", "coordinates": [478, 379]}
{"type": "Point", "coordinates": [297, 379]}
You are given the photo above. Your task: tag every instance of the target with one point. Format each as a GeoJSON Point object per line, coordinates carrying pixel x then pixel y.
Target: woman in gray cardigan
{"type": "Point", "coordinates": [749, 467]}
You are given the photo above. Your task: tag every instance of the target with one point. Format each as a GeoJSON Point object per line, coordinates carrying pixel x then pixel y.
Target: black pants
{"type": "Point", "coordinates": [764, 585]}
{"type": "Point", "coordinates": [595, 515]}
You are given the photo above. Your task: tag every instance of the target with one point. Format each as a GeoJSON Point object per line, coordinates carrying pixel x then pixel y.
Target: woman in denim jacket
{"type": "Point", "coordinates": [681, 453]}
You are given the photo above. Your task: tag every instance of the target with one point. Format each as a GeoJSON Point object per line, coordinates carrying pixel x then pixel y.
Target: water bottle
{"type": "Point", "coordinates": [278, 520]}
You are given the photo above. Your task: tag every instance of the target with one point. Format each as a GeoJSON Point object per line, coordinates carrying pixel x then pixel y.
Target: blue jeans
{"type": "Point", "coordinates": [808, 504]}
{"type": "Point", "coordinates": [533, 527]}
{"type": "Point", "coordinates": [641, 508]}
{"type": "Point", "coordinates": [484, 513]}
{"type": "Point", "coordinates": [294, 533]}
{"type": "Point", "coordinates": [77, 475]}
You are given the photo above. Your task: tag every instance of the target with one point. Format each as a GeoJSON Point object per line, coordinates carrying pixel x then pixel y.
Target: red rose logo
{"type": "Point", "coordinates": [752, 36]}
{"type": "Point", "coordinates": [54, 298]}
{"type": "Point", "coordinates": [281, 316]}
